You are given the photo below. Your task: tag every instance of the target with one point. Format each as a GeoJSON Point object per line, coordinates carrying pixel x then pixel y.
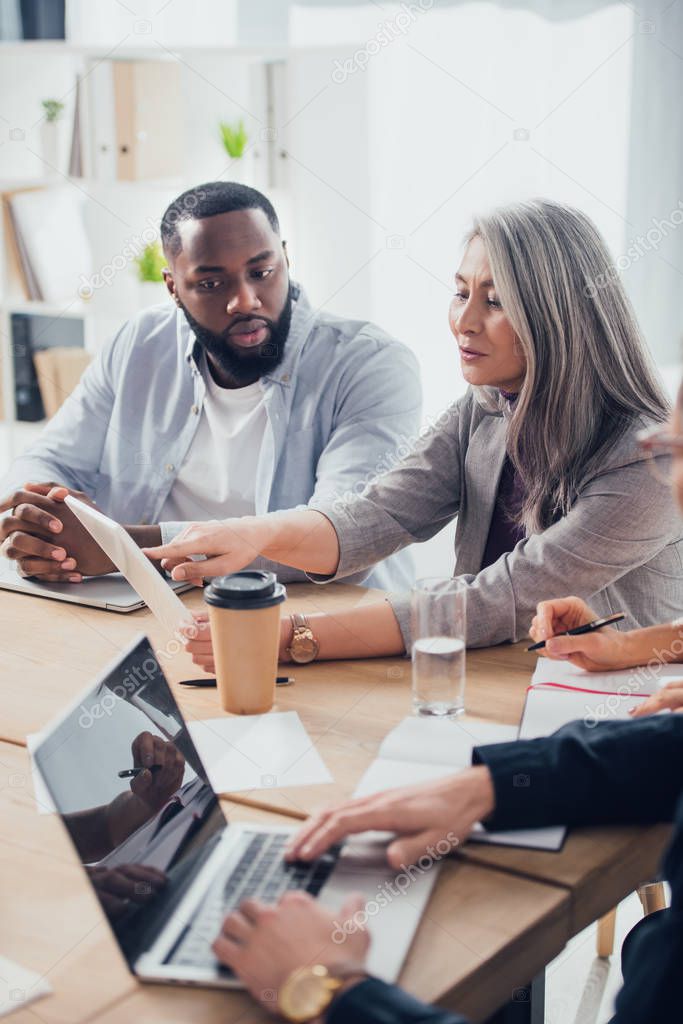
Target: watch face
{"type": "Point", "coordinates": [304, 648]}
{"type": "Point", "coordinates": [306, 994]}
{"type": "Point", "coordinates": [307, 645]}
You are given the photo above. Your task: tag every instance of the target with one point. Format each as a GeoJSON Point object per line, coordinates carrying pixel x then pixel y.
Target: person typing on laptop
{"type": "Point", "coordinates": [236, 398]}
{"type": "Point", "coordinates": [616, 773]}
{"type": "Point", "coordinates": [189, 863]}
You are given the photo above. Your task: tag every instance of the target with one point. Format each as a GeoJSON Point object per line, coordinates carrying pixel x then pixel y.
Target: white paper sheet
{"type": "Point", "coordinates": [548, 708]}
{"type": "Point", "coordinates": [420, 749]}
{"type": "Point", "coordinates": [19, 986]}
{"type": "Point", "coordinates": [642, 680]}
{"type": "Point", "coordinates": [258, 752]}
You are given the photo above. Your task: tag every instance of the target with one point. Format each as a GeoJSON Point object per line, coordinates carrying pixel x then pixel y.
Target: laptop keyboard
{"type": "Point", "coordinates": [260, 874]}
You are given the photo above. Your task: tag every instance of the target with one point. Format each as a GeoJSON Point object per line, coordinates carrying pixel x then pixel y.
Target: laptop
{"type": "Point", "coordinates": [113, 593]}
{"type": "Point", "coordinates": [136, 585]}
{"type": "Point", "coordinates": [167, 869]}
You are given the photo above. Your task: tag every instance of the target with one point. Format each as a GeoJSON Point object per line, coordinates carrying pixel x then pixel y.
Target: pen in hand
{"type": "Point", "coordinates": [132, 773]}
{"type": "Point", "coordinates": [588, 627]}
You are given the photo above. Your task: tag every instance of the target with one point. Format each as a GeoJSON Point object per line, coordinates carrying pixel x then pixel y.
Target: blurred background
{"type": "Point", "coordinates": [377, 129]}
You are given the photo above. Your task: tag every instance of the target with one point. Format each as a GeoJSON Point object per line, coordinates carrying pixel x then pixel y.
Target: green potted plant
{"type": "Point", "coordinates": [49, 135]}
{"type": "Point", "coordinates": [150, 264]}
{"type": "Point", "coordinates": [235, 139]}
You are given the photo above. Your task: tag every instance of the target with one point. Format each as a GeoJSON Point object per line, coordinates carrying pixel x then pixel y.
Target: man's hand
{"type": "Point", "coordinates": [31, 536]}
{"type": "Point", "coordinates": [424, 817]}
{"type": "Point", "coordinates": [118, 887]}
{"type": "Point", "coordinates": [46, 539]}
{"type": "Point", "coordinates": [154, 788]}
{"type": "Point", "coordinates": [149, 790]}
{"type": "Point", "coordinates": [263, 944]}
{"type": "Point", "coordinates": [602, 651]}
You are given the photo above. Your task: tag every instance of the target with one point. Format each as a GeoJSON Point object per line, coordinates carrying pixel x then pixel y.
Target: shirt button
{"type": "Point", "coordinates": [169, 467]}
{"type": "Point", "coordinates": [285, 377]}
{"type": "Point", "coordinates": [194, 410]}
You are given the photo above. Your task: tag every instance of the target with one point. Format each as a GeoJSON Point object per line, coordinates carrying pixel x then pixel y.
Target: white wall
{"type": "Point", "coordinates": [425, 151]}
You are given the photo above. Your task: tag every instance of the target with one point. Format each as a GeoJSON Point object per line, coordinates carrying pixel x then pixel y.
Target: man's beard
{"type": "Point", "coordinates": [244, 366]}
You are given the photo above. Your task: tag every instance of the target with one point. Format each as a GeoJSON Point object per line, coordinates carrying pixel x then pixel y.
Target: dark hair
{"type": "Point", "coordinates": [208, 201]}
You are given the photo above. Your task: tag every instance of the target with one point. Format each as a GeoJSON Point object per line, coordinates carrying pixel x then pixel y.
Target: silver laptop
{"type": "Point", "coordinates": [168, 868]}
{"type": "Point", "coordinates": [112, 592]}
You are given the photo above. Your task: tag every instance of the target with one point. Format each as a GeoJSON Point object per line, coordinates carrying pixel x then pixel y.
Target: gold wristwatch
{"type": "Point", "coordinates": [303, 647]}
{"type": "Point", "coordinates": [308, 991]}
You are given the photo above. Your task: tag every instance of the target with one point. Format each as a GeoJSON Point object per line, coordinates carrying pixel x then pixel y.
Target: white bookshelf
{"type": "Point", "coordinates": [217, 82]}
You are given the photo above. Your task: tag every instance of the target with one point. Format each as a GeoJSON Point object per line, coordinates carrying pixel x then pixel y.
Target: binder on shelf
{"type": "Point", "coordinates": [31, 334]}
{"type": "Point", "coordinates": [49, 240]}
{"type": "Point", "coordinates": [58, 371]}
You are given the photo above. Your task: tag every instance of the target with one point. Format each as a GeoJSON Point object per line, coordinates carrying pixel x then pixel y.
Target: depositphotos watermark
{"type": "Point", "coordinates": [404, 447]}
{"type": "Point", "coordinates": [134, 247]}
{"type": "Point", "coordinates": [387, 892]}
{"type": "Point", "coordinates": [639, 683]}
{"type": "Point", "coordinates": [388, 31]}
{"type": "Point", "coordinates": [135, 677]}
{"type": "Point", "coordinates": [637, 248]}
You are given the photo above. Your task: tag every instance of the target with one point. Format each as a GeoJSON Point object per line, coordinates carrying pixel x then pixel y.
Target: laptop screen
{"type": "Point", "coordinates": [131, 790]}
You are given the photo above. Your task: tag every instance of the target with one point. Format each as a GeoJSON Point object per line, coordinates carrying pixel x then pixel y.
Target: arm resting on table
{"type": "Point", "coordinates": [622, 772]}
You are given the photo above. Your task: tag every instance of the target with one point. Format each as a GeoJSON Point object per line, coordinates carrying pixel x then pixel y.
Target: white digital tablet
{"type": "Point", "coordinates": [155, 591]}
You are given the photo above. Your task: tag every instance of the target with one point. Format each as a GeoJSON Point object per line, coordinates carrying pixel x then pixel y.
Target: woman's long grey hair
{"type": "Point", "coordinates": [589, 376]}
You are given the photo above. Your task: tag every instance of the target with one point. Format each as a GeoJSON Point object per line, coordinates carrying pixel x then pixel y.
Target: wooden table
{"type": "Point", "coordinates": [514, 909]}
{"type": "Point", "coordinates": [483, 932]}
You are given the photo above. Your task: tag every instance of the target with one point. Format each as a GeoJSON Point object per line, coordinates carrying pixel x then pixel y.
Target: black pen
{"type": "Point", "coordinates": [132, 773]}
{"type": "Point", "coordinates": [589, 627]}
{"type": "Point", "coordinates": [280, 681]}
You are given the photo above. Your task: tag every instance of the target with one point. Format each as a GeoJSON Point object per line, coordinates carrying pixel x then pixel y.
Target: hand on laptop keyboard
{"type": "Point", "coordinates": [260, 874]}
{"type": "Point", "coordinates": [256, 941]}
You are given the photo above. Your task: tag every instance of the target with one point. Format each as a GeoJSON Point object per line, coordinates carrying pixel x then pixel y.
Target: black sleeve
{"type": "Point", "coordinates": [622, 772]}
{"type": "Point", "coordinates": [652, 964]}
{"type": "Point", "coordinates": [374, 1002]}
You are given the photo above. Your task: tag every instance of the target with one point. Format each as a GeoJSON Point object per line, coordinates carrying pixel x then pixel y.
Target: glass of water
{"type": "Point", "coordinates": [438, 613]}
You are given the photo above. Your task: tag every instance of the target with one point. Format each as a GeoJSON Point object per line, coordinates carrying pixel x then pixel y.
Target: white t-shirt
{"type": "Point", "coordinates": [217, 479]}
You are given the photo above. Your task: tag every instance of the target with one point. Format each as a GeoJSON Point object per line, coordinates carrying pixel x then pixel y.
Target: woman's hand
{"type": "Point", "coordinates": [605, 650]}
{"type": "Point", "coordinates": [228, 546]}
{"type": "Point", "coordinates": [670, 696]}
{"type": "Point", "coordinates": [199, 645]}
{"type": "Point", "coordinates": [558, 616]}
{"type": "Point", "coordinates": [302, 538]}
{"type": "Point", "coordinates": [264, 944]}
{"type": "Point", "coordinates": [425, 817]}
{"type": "Point", "coordinates": [198, 642]}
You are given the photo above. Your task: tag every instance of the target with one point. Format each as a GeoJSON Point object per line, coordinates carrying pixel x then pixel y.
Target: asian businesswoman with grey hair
{"type": "Point", "coordinates": [539, 460]}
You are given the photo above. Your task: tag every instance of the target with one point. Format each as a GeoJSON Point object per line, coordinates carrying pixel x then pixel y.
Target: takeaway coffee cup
{"type": "Point", "coordinates": [245, 634]}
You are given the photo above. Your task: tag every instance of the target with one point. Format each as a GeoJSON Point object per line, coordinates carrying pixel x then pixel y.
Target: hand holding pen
{"type": "Point", "coordinates": [157, 772]}
{"type": "Point", "coordinates": [588, 627]}
{"type": "Point", "coordinates": [567, 629]}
